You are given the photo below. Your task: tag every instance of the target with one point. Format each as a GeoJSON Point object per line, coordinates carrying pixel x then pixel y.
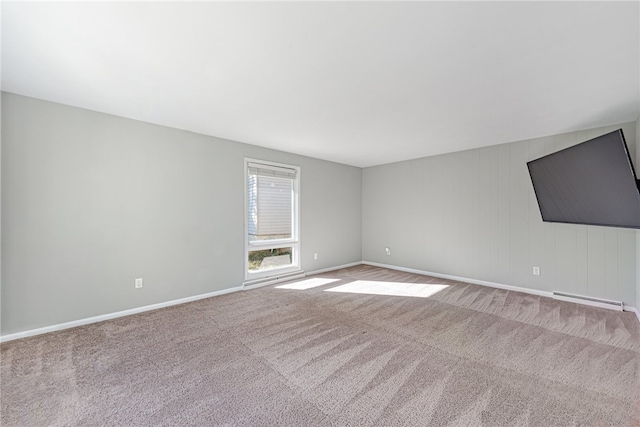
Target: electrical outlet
{"type": "Point", "coordinates": [387, 250]}
{"type": "Point", "coordinates": [536, 271]}
{"type": "Point", "coordinates": [139, 283]}
{"type": "Point", "coordinates": [315, 256]}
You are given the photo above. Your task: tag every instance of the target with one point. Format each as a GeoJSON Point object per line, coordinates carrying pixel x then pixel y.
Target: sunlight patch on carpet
{"type": "Point", "coordinates": [308, 284]}
{"type": "Point", "coordinates": [400, 289]}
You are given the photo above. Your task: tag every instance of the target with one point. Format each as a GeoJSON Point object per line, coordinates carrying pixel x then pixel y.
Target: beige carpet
{"type": "Point", "coordinates": [460, 355]}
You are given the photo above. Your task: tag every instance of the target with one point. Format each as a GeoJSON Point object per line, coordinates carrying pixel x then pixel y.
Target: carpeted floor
{"type": "Point", "coordinates": [336, 354]}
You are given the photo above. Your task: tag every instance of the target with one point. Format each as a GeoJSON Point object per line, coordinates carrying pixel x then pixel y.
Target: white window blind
{"type": "Point", "coordinates": [270, 202]}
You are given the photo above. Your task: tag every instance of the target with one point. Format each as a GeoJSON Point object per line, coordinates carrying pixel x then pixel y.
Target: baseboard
{"type": "Point", "coordinates": [109, 316]}
{"type": "Point", "coordinates": [492, 285]}
{"type": "Point", "coordinates": [103, 317]}
{"type": "Point", "coordinates": [463, 279]}
{"type": "Point", "coordinates": [339, 267]}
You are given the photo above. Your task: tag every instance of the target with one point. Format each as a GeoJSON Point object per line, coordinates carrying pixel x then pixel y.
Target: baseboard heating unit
{"type": "Point", "coordinates": [596, 302]}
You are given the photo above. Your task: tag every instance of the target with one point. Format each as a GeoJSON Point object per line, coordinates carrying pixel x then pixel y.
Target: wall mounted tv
{"type": "Point", "coordinates": [590, 183]}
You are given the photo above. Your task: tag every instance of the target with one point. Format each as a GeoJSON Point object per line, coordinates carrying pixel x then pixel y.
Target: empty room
{"type": "Point", "coordinates": [320, 213]}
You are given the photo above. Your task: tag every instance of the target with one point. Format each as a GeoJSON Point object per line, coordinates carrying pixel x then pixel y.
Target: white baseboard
{"type": "Point", "coordinates": [463, 279]}
{"type": "Point", "coordinates": [103, 317]}
{"type": "Point", "coordinates": [338, 267]}
{"type": "Point", "coordinates": [491, 284]}
{"type": "Point", "coordinates": [108, 316]}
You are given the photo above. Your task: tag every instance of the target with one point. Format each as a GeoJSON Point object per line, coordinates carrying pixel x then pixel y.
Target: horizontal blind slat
{"type": "Point", "coordinates": [273, 171]}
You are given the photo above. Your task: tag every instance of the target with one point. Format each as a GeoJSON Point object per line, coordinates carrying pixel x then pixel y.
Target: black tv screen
{"type": "Point", "coordinates": [590, 183]}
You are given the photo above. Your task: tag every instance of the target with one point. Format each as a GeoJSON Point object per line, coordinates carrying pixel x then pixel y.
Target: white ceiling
{"type": "Point", "coordinates": [358, 83]}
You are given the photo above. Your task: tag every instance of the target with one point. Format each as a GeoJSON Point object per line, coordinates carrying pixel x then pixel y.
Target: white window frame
{"type": "Point", "coordinates": [293, 242]}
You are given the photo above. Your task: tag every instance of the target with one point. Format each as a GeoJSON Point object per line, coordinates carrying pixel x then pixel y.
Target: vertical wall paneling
{"type": "Point", "coordinates": [611, 291]}
{"type": "Point", "coordinates": [626, 260]}
{"type": "Point", "coordinates": [541, 247]}
{"type": "Point", "coordinates": [565, 257]}
{"type": "Point", "coordinates": [467, 246]}
{"type": "Point", "coordinates": [595, 261]}
{"type": "Point", "coordinates": [519, 260]}
{"type": "Point", "coordinates": [582, 260]}
{"type": "Point", "coordinates": [485, 223]}
{"type": "Point", "coordinates": [549, 277]}
{"type": "Point", "coordinates": [562, 239]}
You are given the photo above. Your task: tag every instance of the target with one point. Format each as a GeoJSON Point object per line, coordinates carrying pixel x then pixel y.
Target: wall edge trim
{"type": "Point", "coordinates": [114, 315]}
{"type": "Point", "coordinates": [490, 284]}
{"type": "Point", "coordinates": [129, 312]}
{"type": "Point", "coordinates": [463, 279]}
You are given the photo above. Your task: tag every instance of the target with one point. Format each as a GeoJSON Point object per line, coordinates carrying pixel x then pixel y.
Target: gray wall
{"type": "Point", "coordinates": [92, 201]}
{"type": "Point", "coordinates": [473, 214]}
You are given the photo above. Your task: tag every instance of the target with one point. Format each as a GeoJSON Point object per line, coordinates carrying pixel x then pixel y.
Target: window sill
{"type": "Point", "coordinates": [272, 279]}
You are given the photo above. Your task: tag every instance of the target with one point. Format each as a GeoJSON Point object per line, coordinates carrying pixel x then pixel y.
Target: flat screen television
{"type": "Point", "coordinates": [591, 183]}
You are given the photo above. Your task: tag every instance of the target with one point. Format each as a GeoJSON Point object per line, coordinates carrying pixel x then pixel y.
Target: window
{"type": "Point", "coordinates": [271, 224]}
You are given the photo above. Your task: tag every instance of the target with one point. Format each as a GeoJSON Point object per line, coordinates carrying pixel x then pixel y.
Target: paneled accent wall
{"type": "Point", "coordinates": [474, 214]}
